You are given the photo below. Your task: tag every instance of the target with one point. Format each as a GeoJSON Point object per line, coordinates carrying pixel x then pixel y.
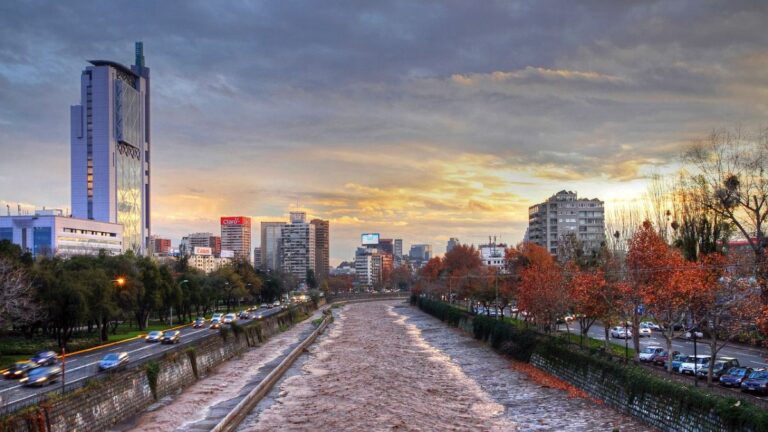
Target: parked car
{"type": "Point", "coordinates": [644, 331]}
{"type": "Point", "coordinates": [20, 369]}
{"type": "Point", "coordinates": [721, 365]}
{"type": "Point", "coordinates": [199, 323]}
{"type": "Point", "coordinates": [734, 376]}
{"type": "Point", "coordinates": [621, 332]}
{"type": "Point", "coordinates": [154, 336]}
{"type": "Point", "coordinates": [756, 382]}
{"type": "Point", "coordinates": [651, 325]}
{"type": "Point", "coordinates": [690, 333]}
{"type": "Point", "coordinates": [677, 361]}
{"type": "Point", "coordinates": [171, 337]}
{"type": "Point", "coordinates": [114, 361]}
{"type": "Point", "coordinates": [42, 376]}
{"type": "Point", "coordinates": [215, 324]}
{"type": "Point", "coordinates": [693, 364]}
{"type": "Point", "coordinates": [228, 318]}
{"type": "Point", "coordinates": [648, 354]}
{"type": "Point", "coordinates": [45, 358]}
{"type": "Point", "coordinates": [662, 358]}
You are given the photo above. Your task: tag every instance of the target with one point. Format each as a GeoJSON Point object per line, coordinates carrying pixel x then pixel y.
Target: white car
{"type": "Point", "coordinates": [621, 333]}
{"type": "Point", "coordinates": [649, 353]}
{"type": "Point", "coordinates": [229, 318]}
{"type": "Point", "coordinates": [217, 316]}
{"type": "Point", "coordinates": [693, 364]}
{"type": "Point", "coordinates": [651, 325]}
{"type": "Point", "coordinates": [644, 331]}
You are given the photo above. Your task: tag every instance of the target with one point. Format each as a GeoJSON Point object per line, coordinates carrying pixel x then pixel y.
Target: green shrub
{"type": "Point", "coordinates": [153, 370]}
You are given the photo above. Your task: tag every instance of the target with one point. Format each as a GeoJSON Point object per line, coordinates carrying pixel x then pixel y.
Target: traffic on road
{"type": "Point", "coordinates": [46, 371]}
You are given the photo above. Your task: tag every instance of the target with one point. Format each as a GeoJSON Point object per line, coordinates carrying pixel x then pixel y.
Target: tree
{"type": "Point", "coordinates": [726, 303]}
{"type": "Point", "coordinates": [18, 306]}
{"type": "Point", "coordinates": [587, 294]}
{"type": "Point", "coordinates": [311, 280]}
{"type": "Point", "coordinates": [458, 265]}
{"type": "Point", "coordinates": [659, 280]}
{"type": "Point", "coordinates": [733, 167]}
{"type": "Point", "coordinates": [543, 291]}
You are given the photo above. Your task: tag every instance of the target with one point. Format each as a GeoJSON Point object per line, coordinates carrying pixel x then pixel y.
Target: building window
{"type": "Point", "coordinates": [6, 234]}
{"type": "Point", "coordinates": [41, 238]}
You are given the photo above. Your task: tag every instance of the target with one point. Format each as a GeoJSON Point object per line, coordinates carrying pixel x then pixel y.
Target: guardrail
{"type": "Point", "coordinates": [244, 407]}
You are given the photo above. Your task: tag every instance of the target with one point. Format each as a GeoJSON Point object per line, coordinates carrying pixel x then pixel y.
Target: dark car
{"type": "Point", "coordinates": [215, 324]}
{"type": "Point", "coordinates": [171, 337]}
{"type": "Point", "coordinates": [114, 361]}
{"type": "Point", "coordinates": [756, 382]}
{"type": "Point", "coordinates": [661, 359]}
{"type": "Point", "coordinates": [721, 365]}
{"type": "Point", "coordinates": [244, 315]}
{"type": "Point", "coordinates": [734, 376]}
{"type": "Point", "coordinates": [154, 336]}
{"type": "Point", "coordinates": [45, 358]}
{"type": "Point", "coordinates": [42, 376]}
{"type": "Point", "coordinates": [677, 361]}
{"type": "Point", "coordinates": [199, 323]}
{"type": "Point", "coordinates": [20, 369]}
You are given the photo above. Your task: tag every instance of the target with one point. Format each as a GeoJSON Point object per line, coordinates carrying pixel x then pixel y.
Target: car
{"type": "Point", "coordinates": [276, 304]}
{"type": "Point", "coordinates": [42, 376]}
{"type": "Point", "coordinates": [154, 336]}
{"type": "Point", "coordinates": [113, 361]}
{"type": "Point", "coordinates": [217, 316]}
{"type": "Point", "coordinates": [721, 365]}
{"type": "Point", "coordinates": [661, 358]}
{"type": "Point", "coordinates": [244, 315]}
{"type": "Point", "coordinates": [20, 369]}
{"type": "Point", "coordinates": [756, 382]}
{"type": "Point", "coordinates": [264, 306]}
{"type": "Point", "coordinates": [619, 332]}
{"type": "Point", "coordinates": [649, 353]}
{"type": "Point", "coordinates": [228, 318]}
{"type": "Point", "coordinates": [215, 324]}
{"type": "Point", "coordinates": [677, 361]}
{"type": "Point", "coordinates": [45, 358]}
{"type": "Point", "coordinates": [734, 376]}
{"type": "Point", "coordinates": [199, 323]}
{"type": "Point", "coordinates": [644, 332]}
{"type": "Point", "coordinates": [171, 337]}
{"type": "Point", "coordinates": [693, 364]}
{"type": "Point", "coordinates": [690, 333]}
{"type": "Point", "coordinates": [651, 325]}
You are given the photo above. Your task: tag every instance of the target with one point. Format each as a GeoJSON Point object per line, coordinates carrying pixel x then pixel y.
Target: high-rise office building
{"type": "Point", "coordinates": [202, 239]}
{"type": "Point", "coordinates": [386, 246]}
{"type": "Point", "coordinates": [298, 246]}
{"type": "Point", "coordinates": [398, 249]}
{"type": "Point", "coordinates": [322, 248]}
{"type": "Point", "coordinates": [452, 243]}
{"type": "Point", "coordinates": [420, 253]}
{"type": "Point", "coordinates": [160, 246]}
{"type": "Point", "coordinates": [271, 244]}
{"type": "Point", "coordinates": [562, 214]}
{"type": "Point", "coordinates": [256, 257]}
{"type": "Point", "coordinates": [236, 236]}
{"type": "Point", "coordinates": [110, 148]}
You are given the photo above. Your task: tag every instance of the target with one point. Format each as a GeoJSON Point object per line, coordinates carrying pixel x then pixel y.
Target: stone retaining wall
{"type": "Point", "coordinates": [103, 403]}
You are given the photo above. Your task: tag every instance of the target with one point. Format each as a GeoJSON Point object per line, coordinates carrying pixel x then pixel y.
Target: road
{"type": "Point", "coordinates": [80, 367]}
{"type": "Point", "coordinates": [747, 356]}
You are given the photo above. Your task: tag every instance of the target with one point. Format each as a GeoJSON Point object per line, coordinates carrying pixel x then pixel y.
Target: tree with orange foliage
{"type": "Point", "coordinates": [543, 291]}
{"type": "Point", "coordinates": [660, 279]}
{"type": "Point", "coordinates": [429, 277]}
{"type": "Point", "coordinates": [459, 265]}
{"type": "Point", "coordinates": [587, 294]}
{"type": "Point", "coordinates": [726, 303]}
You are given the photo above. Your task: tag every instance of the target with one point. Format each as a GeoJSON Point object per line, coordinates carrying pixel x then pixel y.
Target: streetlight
{"type": "Point", "coordinates": [120, 281]}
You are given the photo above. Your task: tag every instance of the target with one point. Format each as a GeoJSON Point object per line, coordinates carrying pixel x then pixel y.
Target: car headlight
{"type": "Point", "coordinates": [41, 379]}
{"type": "Point", "coordinates": [25, 379]}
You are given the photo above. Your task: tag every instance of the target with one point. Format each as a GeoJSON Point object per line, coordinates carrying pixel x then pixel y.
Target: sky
{"type": "Point", "coordinates": [421, 120]}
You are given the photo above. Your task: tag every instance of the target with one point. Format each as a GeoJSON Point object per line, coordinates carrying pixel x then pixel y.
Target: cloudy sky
{"type": "Point", "coordinates": [418, 119]}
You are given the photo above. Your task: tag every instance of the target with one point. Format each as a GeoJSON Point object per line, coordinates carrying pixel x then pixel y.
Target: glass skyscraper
{"type": "Point", "coordinates": [111, 148]}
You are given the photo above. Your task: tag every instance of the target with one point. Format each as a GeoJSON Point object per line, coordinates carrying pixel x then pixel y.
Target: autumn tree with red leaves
{"type": "Point", "coordinates": [543, 291]}
{"type": "Point", "coordinates": [588, 291]}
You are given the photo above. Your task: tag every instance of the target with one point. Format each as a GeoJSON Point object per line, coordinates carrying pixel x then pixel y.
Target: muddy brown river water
{"type": "Point", "coordinates": [388, 366]}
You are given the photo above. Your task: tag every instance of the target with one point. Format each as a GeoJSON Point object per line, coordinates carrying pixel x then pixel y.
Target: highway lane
{"type": "Point", "coordinates": [85, 365]}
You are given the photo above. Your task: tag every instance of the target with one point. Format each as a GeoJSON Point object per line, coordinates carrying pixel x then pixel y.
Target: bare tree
{"type": "Point", "coordinates": [734, 167]}
{"type": "Point", "coordinates": [17, 305]}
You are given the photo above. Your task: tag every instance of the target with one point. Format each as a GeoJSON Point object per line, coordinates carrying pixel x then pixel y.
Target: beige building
{"type": "Point", "coordinates": [565, 213]}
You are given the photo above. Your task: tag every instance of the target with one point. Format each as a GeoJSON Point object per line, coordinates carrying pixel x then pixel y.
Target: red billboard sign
{"type": "Point", "coordinates": [236, 220]}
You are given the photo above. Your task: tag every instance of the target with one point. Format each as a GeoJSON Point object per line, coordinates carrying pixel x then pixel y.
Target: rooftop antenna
{"type": "Point", "coordinates": [8, 207]}
{"type": "Point", "coordinates": [18, 209]}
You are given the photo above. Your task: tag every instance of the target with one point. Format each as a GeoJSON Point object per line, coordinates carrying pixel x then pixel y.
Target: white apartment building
{"type": "Point", "coordinates": [565, 213]}
{"type": "Point", "coordinates": [298, 246]}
